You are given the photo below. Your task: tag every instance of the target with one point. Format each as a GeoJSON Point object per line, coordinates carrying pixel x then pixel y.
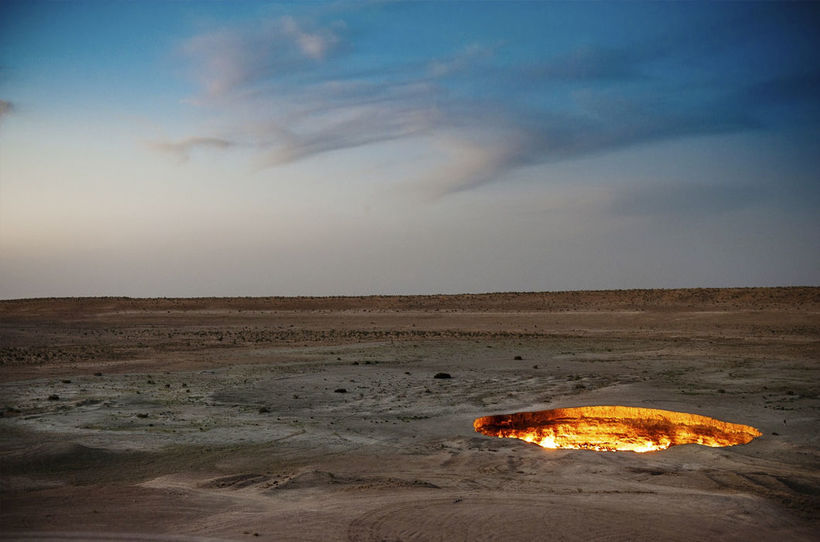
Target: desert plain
{"type": "Point", "coordinates": [322, 418]}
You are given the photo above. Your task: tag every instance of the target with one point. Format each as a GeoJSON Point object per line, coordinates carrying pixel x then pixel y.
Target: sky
{"type": "Point", "coordinates": [352, 148]}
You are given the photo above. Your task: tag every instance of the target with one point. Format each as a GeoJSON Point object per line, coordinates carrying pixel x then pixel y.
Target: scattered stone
{"type": "Point", "coordinates": [97, 374]}
{"type": "Point", "coordinates": [142, 415]}
{"type": "Point", "coordinates": [355, 363]}
{"type": "Point", "coordinates": [264, 410]}
{"type": "Point", "coordinates": [518, 358]}
{"type": "Point", "coordinates": [340, 390]}
{"type": "Point", "coordinates": [54, 397]}
{"type": "Point", "coordinates": [66, 381]}
{"type": "Point", "coordinates": [442, 375]}
{"type": "Point", "coordinates": [721, 390]}
{"type": "Point", "coordinates": [535, 366]}
{"type": "Point", "coordinates": [775, 434]}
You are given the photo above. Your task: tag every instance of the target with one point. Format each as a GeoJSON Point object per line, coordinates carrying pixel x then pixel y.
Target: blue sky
{"type": "Point", "coordinates": [248, 148]}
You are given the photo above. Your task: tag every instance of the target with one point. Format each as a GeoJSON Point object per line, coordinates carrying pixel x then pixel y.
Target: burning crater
{"type": "Point", "coordinates": [614, 428]}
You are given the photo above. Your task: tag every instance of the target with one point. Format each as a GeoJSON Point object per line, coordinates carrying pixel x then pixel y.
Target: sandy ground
{"type": "Point", "coordinates": [321, 419]}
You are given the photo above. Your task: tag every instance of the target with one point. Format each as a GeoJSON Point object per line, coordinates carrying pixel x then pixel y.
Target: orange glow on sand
{"type": "Point", "coordinates": [614, 429]}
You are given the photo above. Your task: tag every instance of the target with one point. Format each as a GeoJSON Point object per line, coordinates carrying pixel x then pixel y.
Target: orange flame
{"type": "Point", "coordinates": [614, 428]}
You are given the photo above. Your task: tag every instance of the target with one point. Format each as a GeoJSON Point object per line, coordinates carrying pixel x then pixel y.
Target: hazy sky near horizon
{"type": "Point", "coordinates": [256, 148]}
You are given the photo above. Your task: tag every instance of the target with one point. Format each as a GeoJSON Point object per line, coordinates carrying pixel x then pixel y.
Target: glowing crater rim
{"type": "Point", "coordinates": [614, 428]}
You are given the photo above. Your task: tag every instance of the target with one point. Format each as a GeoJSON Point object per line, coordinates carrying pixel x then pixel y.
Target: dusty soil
{"type": "Point", "coordinates": [321, 419]}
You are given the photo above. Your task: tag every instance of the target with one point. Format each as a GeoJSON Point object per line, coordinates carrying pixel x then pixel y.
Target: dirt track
{"type": "Point", "coordinates": [225, 418]}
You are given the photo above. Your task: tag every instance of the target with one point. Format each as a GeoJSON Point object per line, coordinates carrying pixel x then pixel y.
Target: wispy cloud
{"type": "Point", "coordinates": [468, 163]}
{"type": "Point", "coordinates": [606, 123]}
{"type": "Point", "coordinates": [464, 60]}
{"type": "Point", "coordinates": [274, 79]}
{"type": "Point", "coordinates": [230, 59]}
{"type": "Point", "coordinates": [358, 126]}
{"type": "Point", "coordinates": [182, 148]}
{"type": "Point", "coordinates": [288, 88]}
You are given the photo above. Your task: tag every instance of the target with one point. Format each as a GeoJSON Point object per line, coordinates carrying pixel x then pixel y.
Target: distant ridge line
{"type": "Point", "coordinates": [749, 298]}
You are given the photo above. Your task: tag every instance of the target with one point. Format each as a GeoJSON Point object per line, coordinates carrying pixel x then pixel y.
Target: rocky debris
{"type": "Point", "coordinates": [237, 481]}
{"type": "Point", "coordinates": [442, 375]}
{"type": "Point", "coordinates": [9, 411]}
